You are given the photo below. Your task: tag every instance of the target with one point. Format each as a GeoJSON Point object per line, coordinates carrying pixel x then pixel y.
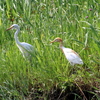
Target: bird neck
{"type": "Point", "coordinates": [16, 36]}
{"type": "Point", "coordinates": [61, 44]}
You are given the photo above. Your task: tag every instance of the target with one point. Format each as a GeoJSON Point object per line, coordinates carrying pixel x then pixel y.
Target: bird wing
{"type": "Point", "coordinates": [27, 47]}
{"type": "Point", "coordinates": [72, 56]}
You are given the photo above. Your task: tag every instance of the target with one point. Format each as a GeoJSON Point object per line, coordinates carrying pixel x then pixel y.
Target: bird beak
{"type": "Point", "coordinates": [52, 41]}
{"type": "Point", "coordinates": [9, 28]}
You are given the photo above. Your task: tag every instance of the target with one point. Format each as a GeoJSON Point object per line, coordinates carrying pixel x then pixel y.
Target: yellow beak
{"type": "Point", "coordinates": [52, 41]}
{"type": "Point", "coordinates": [9, 28]}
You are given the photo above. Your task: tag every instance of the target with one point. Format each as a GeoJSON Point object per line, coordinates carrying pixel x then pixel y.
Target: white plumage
{"type": "Point", "coordinates": [25, 48]}
{"type": "Point", "coordinates": [70, 54]}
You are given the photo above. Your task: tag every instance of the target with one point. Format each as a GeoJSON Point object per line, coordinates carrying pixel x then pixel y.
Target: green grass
{"type": "Point", "coordinates": [77, 22]}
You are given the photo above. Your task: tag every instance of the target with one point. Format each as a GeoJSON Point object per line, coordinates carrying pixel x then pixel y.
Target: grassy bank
{"type": "Point", "coordinates": [50, 77]}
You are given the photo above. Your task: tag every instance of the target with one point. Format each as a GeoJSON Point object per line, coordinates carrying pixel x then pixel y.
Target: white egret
{"type": "Point", "coordinates": [70, 54]}
{"type": "Point", "coordinates": [25, 48]}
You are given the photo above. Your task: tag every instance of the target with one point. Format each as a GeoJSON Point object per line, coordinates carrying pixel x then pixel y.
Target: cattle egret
{"type": "Point", "coordinates": [25, 48]}
{"type": "Point", "coordinates": [70, 54]}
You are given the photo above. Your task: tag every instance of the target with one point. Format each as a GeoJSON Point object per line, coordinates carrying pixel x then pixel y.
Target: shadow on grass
{"type": "Point", "coordinates": [76, 92]}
